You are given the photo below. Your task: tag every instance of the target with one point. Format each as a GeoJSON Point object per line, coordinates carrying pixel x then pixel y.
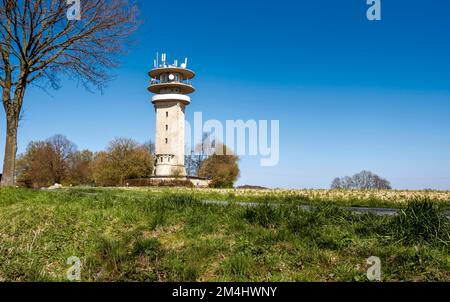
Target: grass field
{"type": "Point", "coordinates": [357, 198]}
{"type": "Point", "coordinates": [170, 235]}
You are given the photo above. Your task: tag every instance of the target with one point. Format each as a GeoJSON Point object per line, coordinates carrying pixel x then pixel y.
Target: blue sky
{"type": "Point", "coordinates": [350, 94]}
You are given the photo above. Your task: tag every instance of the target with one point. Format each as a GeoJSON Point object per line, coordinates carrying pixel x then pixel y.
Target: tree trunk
{"type": "Point", "coordinates": [12, 111]}
{"type": "Point", "coordinates": [9, 163]}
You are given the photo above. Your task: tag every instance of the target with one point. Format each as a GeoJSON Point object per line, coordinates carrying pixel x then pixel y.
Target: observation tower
{"type": "Point", "coordinates": [171, 84]}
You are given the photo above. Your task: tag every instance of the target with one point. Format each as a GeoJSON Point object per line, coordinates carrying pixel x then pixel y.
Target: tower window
{"type": "Point", "coordinates": [167, 127]}
{"type": "Point", "coordinates": [167, 140]}
{"type": "Point", "coordinates": [167, 113]}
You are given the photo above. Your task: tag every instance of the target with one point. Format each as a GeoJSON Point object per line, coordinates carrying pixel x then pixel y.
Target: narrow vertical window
{"type": "Point", "coordinates": [167, 127]}
{"type": "Point", "coordinates": [167, 113]}
{"type": "Point", "coordinates": [167, 140]}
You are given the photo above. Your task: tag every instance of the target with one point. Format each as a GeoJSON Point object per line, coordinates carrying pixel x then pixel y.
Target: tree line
{"type": "Point", "coordinates": [58, 160]}
{"type": "Point", "coordinates": [364, 180]}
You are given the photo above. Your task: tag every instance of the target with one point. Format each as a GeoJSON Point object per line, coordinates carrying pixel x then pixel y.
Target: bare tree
{"type": "Point", "coordinates": [336, 184]}
{"type": "Point", "coordinates": [199, 154]}
{"type": "Point", "coordinates": [124, 159]}
{"type": "Point", "coordinates": [222, 168]}
{"type": "Point", "coordinates": [150, 146]}
{"type": "Point", "coordinates": [193, 161]}
{"type": "Point", "coordinates": [364, 180]}
{"type": "Point", "coordinates": [46, 162]}
{"type": "Point", "coordinates": [63, 149]}
{"type": "Point", "coordinates": [37, 43]}
{"type": "Point", "coordinates": [80, 168]}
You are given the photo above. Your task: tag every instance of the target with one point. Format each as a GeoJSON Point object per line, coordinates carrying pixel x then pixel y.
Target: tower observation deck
{"type": "Point", "coordinates": [171, 85]}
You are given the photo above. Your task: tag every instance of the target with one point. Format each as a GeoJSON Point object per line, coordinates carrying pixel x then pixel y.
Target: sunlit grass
{"type": "Point", "coordinates": [170, 235]}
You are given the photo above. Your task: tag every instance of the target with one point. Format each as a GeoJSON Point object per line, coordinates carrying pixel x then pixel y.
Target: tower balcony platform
{"type": "Point", "coordinates": [157, 72]}
{"type": "Point", "coordinates": [158, 87]}
{"type": "Point", "coordinates": [170, 97]}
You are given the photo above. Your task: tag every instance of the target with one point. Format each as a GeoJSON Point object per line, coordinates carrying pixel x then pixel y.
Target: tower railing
{"type": "Point", "coordinates": [157, 81]}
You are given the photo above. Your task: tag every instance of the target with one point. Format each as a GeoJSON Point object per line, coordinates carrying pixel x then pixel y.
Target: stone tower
{"type": "Point", "coordinates": [171, 85]}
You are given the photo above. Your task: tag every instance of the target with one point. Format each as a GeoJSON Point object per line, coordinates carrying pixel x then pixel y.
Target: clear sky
{"type": "Point", "coordinates": [350, 94]}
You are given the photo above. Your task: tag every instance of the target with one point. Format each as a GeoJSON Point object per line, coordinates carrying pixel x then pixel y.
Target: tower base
{"type": "Point", "coordinates": [196, 181]}
{"type": "Point", "coordinates": [167, 170]}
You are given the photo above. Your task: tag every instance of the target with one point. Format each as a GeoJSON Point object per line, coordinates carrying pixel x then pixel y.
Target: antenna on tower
{"type": "Point", "coordinates": [157, 60]}
{"type": "Point", "coordinates": [184, 65]}
{"type": "Point", "coordinates": [163, 59]}
{"type": "Point", "coordinates": [175, 63]}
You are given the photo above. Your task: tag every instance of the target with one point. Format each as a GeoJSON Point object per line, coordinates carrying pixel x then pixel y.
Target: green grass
{"type": "Point", "coordinates": [349, 198]}
{"type": "Point", "coordinates": [421, 222]}
{"type": "Point", "coordinates": [145, 236]}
